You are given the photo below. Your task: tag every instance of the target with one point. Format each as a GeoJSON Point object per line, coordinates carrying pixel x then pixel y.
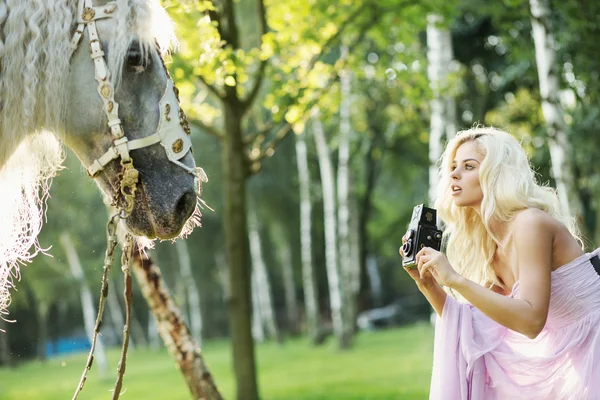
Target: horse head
{"type": "Point", "coordinates": [122, 110]}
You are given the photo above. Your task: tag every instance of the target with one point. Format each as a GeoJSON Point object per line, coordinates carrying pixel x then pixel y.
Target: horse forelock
{"type": "Point", "coordinates": [34, 69]}
{"type": "Point", "coordinates": [143, 21]}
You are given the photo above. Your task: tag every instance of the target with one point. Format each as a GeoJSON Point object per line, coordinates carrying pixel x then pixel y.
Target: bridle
{"type": "Point", "coordinates": [172, 132]}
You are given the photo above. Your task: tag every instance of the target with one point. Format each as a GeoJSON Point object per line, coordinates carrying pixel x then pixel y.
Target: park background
{"type": "Point", "coordinates": [318, 124]}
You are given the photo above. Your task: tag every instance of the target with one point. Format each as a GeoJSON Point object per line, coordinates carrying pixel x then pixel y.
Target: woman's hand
{"type": "Point", "coordinates": [434, 263]}
{"type": "Point", "coordinates": [426, 280]}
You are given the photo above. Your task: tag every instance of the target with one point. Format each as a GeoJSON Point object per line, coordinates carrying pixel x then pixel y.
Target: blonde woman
{"type": "Point", "coordinates": [522, 320]}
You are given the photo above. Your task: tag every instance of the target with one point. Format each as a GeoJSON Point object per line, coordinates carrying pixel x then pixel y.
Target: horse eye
{"type": "Point", "coordinates": [136, 61]}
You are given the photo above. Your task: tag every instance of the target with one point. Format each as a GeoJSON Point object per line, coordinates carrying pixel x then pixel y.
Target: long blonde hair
{"type": "Point", "coordinates": [509, 185]}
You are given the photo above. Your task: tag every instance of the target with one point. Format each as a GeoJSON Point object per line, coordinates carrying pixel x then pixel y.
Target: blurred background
{"type": "Point", "coordinates": [317, 123]}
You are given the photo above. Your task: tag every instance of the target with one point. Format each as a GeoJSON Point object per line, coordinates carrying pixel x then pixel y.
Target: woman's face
{"type": "Point", "coordinates": [464, 175]}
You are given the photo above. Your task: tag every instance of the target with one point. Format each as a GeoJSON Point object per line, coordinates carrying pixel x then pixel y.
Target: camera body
{"type": "Point", "coordinates": [422, 232]}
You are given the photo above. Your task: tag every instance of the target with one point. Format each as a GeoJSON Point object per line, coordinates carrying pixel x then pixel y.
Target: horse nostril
{"type": "Point", "coordinates": [186, 204]}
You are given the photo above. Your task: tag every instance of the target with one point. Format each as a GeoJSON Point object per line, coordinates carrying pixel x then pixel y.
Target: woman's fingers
{"type": "Point", "coordinates": [421, 258]}
{"type": "Point", "coordinates": [426, 268]}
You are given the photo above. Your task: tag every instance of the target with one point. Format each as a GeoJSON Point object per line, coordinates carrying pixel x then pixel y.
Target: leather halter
{"type": "Point", "coordinates": [172, 131]}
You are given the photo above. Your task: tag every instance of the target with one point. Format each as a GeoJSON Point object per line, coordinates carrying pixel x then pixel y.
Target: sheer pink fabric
{"type": "Point", "coordinates": [476, 358]}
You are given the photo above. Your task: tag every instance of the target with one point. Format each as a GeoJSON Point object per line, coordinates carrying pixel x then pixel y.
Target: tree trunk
{"type": "Point", "coordinates": [331, 251]}
{"type": "Point", "coordinates": [4, 345]}
{"type": "Point", "coordinates": [557, 131]}
{"type": "Point", "coordinates": [354, 274]}
{"type": "Point", "coordinates": [87, 302]}
{"type": "Point", "coordinates": [173, 330]}
{"type": "Point", "coordinates": [343, 214]}
{"type": "Point", "coordinates": [259, 271]}
{"type": "Point", "coordinates": [284, 257]}
{"type": "Point", "coordinates": [373, 160]}
{"type": "Point", "coordinates": [137, 332]}
{"type": "Point", "coordinates": [443, 106]}
{"type": "Point", "coordinates": [311, 302]}
{"type": "Point", "coordinates": [137, 337]}
{"type": "Point", "coordinates": [191, 288]}
{"type": "Point", "coordinates": [116, 314]}
{"type": "Point", "coordinates": [236, 239]}
{"type": "Point", "coordinates": [153, 336]}
{"type": "Point", "coordinates": [42, 314]}
{"type": "Point", "coordinates": [375, 280]}
{"type": "Point", "coordinates": [223, 273]}
{"type": "Point", "coordinates": [258, 330]}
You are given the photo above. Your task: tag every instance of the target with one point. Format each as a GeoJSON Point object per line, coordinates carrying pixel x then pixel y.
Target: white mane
{"type": "Point", "coordinates": [34, 69]}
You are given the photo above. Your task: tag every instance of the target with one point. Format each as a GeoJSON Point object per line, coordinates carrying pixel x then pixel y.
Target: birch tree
{"type": "Point", "coordinates": [116, 315]}
{"type": "Point", "coordinates": [311, 302]}
{"type": "Point", "coordinates": [153, 336]}
{"type": "Point", "coordinates": [258, 329]}
{"type": "Point", "coordinates": [261, 278]}
{"type": "Point", "coordinates": [443, 105]}
{"type": "Point", "coordinates": [329, 218]}
{"type": "Point", "coordinates": [284, 258]}
{"type": "Point", "coordinates": [556, 128]}
{"type": "Point", "coordinates": [191, 290]}
{"type": "Point", "coordinates": [87, 302]}
{"type": "Point", "coordinates": [346, 263]}
{"type": "Point", "coordinates": [173, 330]}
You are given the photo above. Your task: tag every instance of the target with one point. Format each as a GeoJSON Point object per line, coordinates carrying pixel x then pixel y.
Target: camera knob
{"type": "Point", "coordinates": [438, 236]}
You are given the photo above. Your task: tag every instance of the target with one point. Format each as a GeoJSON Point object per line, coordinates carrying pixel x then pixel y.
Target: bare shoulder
{"type": "Point", "coordinates": [538, 226]}
{"type": "Point", "coordinates": [533, 219]}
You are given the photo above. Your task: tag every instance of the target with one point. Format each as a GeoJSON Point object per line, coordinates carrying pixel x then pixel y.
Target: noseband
{"type": "Point", "coordinates": [172, 131]}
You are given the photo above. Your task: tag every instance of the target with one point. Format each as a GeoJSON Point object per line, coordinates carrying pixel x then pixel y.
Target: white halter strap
{"type": "Point", "coordinates": [170, 132]}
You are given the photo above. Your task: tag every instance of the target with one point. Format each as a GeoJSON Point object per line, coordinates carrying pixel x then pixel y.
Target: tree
{"type": "Point", "coordinates": [557, 131]}
{"type": "Point", "coordinates": [224, 72]}
{"type": "Point", "coordinates": [443, 106]}
{"type": "Point", "coordinates": [309, 284]}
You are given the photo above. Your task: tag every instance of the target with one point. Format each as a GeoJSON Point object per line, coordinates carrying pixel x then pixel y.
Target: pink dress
{"type": "Point", "coordinates": [475, 358]}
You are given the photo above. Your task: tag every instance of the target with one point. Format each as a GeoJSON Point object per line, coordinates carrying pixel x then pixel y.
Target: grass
{"type": "Point", "coordinates": [391, 364]}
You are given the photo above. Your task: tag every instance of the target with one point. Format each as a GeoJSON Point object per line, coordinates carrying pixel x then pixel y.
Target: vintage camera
{"type": "Point", "coordinates": [422, 232]}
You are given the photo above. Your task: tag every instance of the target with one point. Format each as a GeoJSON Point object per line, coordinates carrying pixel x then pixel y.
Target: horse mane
{"type": "Point", "coordinates": [35, 57]}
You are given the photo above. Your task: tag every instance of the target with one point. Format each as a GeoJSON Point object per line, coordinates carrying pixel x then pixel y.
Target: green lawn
{"type": "Point", "coordinates": [390, 364]}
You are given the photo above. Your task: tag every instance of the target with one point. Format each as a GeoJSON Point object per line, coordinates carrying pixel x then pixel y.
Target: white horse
{"type": "Point", "coordinates": [118, 104]}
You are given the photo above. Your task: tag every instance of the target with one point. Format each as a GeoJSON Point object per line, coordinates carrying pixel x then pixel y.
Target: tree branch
{"type": "Point", "coordinates": [211, 88]}
{"type": "Point", "coordinates": [231, 36]}
{"type": "Point", "coordinates": [209, 129]}
{"type": "Point", "coordinates": [287, 127]}
{"type": "Point", "coordinates": [216, 17]}
{"type": "Point", "coordinates": [264, 132]}
{"type": "Point", "coordinates": [260, 74]}
{"type": "Point", "coordinates": [334, 38]}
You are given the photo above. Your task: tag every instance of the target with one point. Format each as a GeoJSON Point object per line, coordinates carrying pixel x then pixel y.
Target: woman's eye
{"type": "Point", "coordinates": [452, 168]}
{"type": "Point", "coordinates": [468, 167]}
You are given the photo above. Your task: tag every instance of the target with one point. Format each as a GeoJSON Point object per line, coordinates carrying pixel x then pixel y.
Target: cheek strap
{"type": "Point", "coordinates": [169, 134]}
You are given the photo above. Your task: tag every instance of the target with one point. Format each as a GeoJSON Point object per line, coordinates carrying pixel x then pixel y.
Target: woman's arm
{"type": "Point", "coordinates": [528, 314]}
{"type": "Point", "coordinates": [435, 295]}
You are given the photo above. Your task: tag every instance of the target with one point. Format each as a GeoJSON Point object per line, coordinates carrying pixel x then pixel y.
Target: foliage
{"type": "Point", "coordinates": [495, 81]}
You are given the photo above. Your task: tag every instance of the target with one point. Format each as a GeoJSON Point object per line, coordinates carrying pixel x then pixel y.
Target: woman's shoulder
{"type": "Point", "coordinates": [534, 218]}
